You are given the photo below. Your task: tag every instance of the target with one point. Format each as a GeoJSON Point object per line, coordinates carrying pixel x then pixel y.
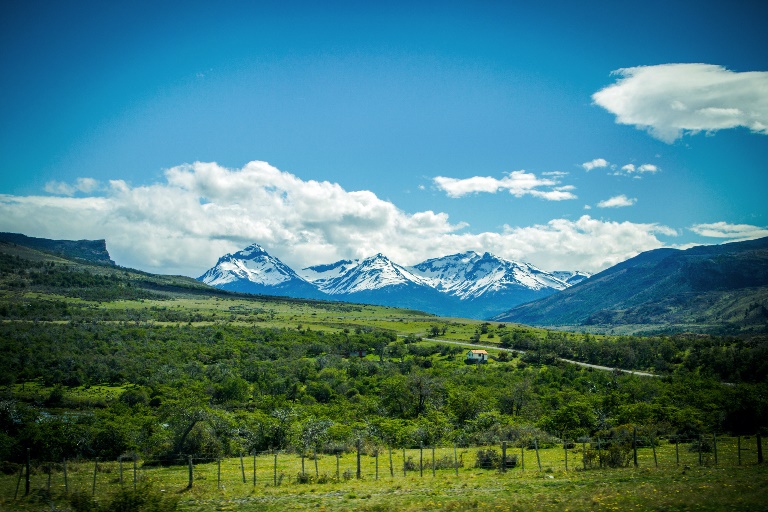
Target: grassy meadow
{"type": "Point", "coordinates": [220, 485]}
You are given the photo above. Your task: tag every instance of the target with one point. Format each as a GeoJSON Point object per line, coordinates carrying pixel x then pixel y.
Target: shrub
{"type": "Point", "coordinates": [143, 499]}
{"type": "Point", "coordinates": [491, 459]}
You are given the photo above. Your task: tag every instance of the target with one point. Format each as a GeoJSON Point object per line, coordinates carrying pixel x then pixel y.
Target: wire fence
{"type": "Point", "coordinates": [365, 460]}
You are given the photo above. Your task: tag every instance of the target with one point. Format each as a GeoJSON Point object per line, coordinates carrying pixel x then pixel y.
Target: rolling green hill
{"type": "Point", "coordinates": [721, 288]}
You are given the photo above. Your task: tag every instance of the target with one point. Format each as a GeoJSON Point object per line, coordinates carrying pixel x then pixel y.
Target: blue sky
{"type": "Point", "coordinates": [412, 129]}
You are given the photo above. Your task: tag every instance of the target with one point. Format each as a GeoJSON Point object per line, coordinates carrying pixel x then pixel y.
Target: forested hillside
{"type": "Point", "coordinates": [98, 361]}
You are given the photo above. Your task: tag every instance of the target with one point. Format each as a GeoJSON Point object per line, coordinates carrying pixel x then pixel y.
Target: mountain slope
{"type": "Point", "coordinates": [706, 285]}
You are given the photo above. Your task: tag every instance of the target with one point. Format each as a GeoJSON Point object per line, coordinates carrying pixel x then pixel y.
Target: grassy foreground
{"type": "Point", "coordinates": [667, 487]}
{"type": "Point", "coordinates": [628, 489]}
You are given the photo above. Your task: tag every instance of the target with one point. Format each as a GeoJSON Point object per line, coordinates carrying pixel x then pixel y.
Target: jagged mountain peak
{"type": "Point", "coordinates": [252, 264]}
{"type": "Point", "coordinates": [252, 251]}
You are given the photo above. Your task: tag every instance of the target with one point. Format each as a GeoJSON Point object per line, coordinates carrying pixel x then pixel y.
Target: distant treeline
{"type": "Point", "coordinates": [222, 389]}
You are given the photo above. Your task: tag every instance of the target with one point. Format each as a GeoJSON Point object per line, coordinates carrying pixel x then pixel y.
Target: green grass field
{"type": "Point", "coordinates": [220, 486]}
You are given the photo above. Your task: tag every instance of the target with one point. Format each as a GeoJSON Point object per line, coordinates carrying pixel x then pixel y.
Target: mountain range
{"type": "Point", "coordinates": [721, 288]}
{"type": "Point", "coordinates": [468, 284]}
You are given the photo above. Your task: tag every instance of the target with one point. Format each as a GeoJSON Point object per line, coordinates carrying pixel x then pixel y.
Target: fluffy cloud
{"type": "Point", "coordinates": [735, 232]}
{"type": "Point", "coordinates": [671, 100]}
{"type": "Point", "coordinates": [597, 163]}
{"type": "Point", "coordinates": [617, 202]}
{"type": "Point", "coordinates": [517, 183]}
{"type": "Point", "coordinates": [202, 211]}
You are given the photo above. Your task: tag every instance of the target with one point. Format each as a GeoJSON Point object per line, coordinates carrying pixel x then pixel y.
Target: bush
{"type": "Point", "coordinates": [490, 459]}
{"type": "Point", "coordinates": [143, 499]}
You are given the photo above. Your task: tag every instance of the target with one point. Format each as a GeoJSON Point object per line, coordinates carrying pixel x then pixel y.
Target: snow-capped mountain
{"type": "Point", "coordinates": [466, 284]}
{"type": "Point", "coordinates": [253, 270]}
{"type": "Point", "coordinates": [469, 275]}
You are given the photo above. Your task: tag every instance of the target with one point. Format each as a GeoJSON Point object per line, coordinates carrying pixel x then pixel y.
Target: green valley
{"type": "Point", "coordinates": [104, 362]}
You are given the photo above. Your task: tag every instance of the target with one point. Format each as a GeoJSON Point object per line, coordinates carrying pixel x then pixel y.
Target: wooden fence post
{"type": "Point", "coordinates": [405, 466]}
{"type": "Point", "coordinates": [275, 474]}
{"type": "Point", "coordinates": [18, 482]}
{"type": "Point", "coordinates": [701, 447]}
{"type": "Point", "coordinates": [254, 469]}
{"type": "Point", "coordinates": [66, 481]}
{"type": "Point", "coordinates": [314, 453]}
{"type": "Point", "coordinates": [391, 467]}
{"type": "Point", "coordinates": [337, 466]}
{"type": "Point", "coordinates": [599, 453]}
{"type": "Point", "coordinates": [191, 473]}
{"type": "Point", "coordinates": [634, 445]}
{"type": "Point", "coordinates": [714, 446]}
{"type": "Point", "coordinates": [503, 456]}
{"type": "Point", "coordinates": [584, 452]}
{"type": "Point", "coordinates": [358, 460]}
{"type": "Point", "coordinates": [421, 459]}
{"type": "Point", "coordinates": [522, 457]}
{"type": "Point", "coordinates": [242, 466]}
{"type": "Point", "coordinates": [120, 460]}
{"type": "Point", "coordinates": [302, 463]}
{"type": "Point", "coordinates": [218, 474]}
{"type": "Point", "coordinates": [50, 471]}
{"type": "Point", "coordinates": [134, 471]}
{"type": "Point", "coordinates": [376, 453]}
{"type": "Point", "coordinates": [455, 460]}
{"type": "Point", "coordinates": [565, 449]}
{"type": "Point", "coordinates": [677, 450]}
{"type": "Point", "coordinates": [536, 447]}
{"type": "Point", "coordinates": [433, 460]}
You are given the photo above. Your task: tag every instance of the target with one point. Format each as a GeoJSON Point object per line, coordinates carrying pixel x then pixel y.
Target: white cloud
{"type": "Point", "coordinates": [202, 211]}
{"type": "Point", "coordinates": [617, 202]}
{"type": "Point", "coordinates": [85, 185]}
{"type": "Point", "coordinates": [672, 100]}
{"type": "Point", "coordinates": [648, 168]}
{"type": "Point", "coordinates": [629, 168]}
{"type": "Point", "coordinates": [597, 163]}
{"type": "Point", "coordinates": [517, 183]}
{"type": "Point", "coordinates": [735, 232]}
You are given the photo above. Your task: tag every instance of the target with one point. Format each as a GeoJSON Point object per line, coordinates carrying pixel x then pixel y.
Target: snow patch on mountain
{"type": "Point", "coordinates": [571, 277]}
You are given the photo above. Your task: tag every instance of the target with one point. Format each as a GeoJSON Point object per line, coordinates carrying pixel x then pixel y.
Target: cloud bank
{"type": "Point", "coordinates": [672, 100]}
{"type": "Point", "coordinates": [734, 232]}
{"type": "Point", "coordinates": [201, 211]}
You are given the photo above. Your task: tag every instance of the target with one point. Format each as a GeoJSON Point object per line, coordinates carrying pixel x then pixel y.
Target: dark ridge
{"type": "Point", "coordinates": [94, 251]}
